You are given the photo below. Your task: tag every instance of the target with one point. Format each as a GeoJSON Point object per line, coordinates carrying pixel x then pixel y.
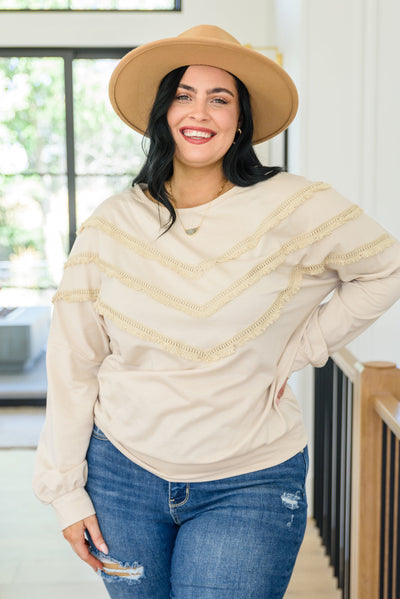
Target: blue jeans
{"type": "Point", "coordinates": [234, 538]}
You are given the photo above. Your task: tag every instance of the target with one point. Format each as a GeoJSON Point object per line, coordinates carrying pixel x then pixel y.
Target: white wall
{"type": "Point", "coordinates": [249, 25]}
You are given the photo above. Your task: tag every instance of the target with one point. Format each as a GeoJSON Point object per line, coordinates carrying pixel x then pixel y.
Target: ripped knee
{"type": "Point", "coordinates": [123, 569]}
{"type": "Point", "coordinates": [114, 570]}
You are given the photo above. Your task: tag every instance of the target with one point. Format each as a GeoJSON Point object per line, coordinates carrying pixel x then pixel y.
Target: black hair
{"type": "Point", "coordinates": [241, 165]}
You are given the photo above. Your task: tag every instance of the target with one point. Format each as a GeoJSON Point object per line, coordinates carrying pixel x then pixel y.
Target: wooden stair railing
{"type": "Point", "coordinates": [375, 477]}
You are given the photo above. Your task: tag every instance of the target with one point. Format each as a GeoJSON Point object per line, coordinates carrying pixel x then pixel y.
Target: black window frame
{"type": "Point", "coordinates": [68, 55]}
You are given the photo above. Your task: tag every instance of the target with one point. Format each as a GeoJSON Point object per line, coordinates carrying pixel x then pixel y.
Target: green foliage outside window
{"type": "Point", "coordinates": [34, 203]}
{"type": "Point", "coordinates": [32, 156]}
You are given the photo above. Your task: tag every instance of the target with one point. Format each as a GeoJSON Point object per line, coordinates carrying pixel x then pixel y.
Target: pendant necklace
{"type": "Point", "coordinates": [193, 230]}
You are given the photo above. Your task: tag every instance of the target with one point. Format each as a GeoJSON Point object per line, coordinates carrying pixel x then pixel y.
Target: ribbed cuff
{"type": "Point", "coordinates": [73, 507]}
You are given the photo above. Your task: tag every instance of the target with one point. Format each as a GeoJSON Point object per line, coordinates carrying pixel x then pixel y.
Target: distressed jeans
{"type": "Point", "coordinates": [234, 538]}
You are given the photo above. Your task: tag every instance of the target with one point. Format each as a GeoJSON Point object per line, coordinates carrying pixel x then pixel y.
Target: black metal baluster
{"type": "Point", "coordinates": [332, 467]}
{"type": "Point", "coordinates": [383, 513]}
{"type": "Point", "coordinates": [347, 519]}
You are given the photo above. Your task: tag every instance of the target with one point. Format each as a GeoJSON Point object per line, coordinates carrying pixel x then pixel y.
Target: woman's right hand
{"type": "Point", "coordinates": [75, 535]}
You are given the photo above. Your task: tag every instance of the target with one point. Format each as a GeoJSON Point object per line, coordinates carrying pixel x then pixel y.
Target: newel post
{"type": "Point", "coordinates": [375, 377]}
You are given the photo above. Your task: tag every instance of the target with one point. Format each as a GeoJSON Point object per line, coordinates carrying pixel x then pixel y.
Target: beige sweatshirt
{"type": "Point", "coordinates": [176, 346]}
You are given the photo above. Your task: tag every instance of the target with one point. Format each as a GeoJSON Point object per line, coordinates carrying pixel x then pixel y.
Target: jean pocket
{"type": "Point", "coordinates": [97, 433]}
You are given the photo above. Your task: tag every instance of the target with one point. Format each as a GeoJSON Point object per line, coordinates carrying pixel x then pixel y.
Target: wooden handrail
{"type": "Point", "coordinates": [348, 364]}
{"type": "Point", "coordinates": [388, 408]}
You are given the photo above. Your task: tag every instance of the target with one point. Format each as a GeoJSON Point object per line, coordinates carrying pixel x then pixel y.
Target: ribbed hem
{"type": "Point", "coordinates": [266, 456]}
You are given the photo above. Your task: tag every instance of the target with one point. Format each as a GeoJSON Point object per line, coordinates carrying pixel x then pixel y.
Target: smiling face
{"type": "Point", "coordinates": [204, 116]}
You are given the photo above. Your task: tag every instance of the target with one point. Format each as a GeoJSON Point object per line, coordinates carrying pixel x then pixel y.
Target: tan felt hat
{"type": "Point", "coordinates": [135, 80]}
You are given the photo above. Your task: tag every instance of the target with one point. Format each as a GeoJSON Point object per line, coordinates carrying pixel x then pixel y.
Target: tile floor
{"type": "Point", "coordinates": [37, 563]}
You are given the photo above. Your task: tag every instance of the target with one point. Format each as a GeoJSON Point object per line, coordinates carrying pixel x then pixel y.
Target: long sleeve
{"type": "Point", "coordinates": [365, 290]}
{"type": "Point", "coordinates": [77, 346]}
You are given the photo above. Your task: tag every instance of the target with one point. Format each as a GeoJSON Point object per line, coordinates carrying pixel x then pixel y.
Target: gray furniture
{"type": "Point", "coordinates": [23, 337]}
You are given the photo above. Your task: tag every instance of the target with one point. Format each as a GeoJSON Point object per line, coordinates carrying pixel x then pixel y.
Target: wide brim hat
{"type": "Point", "coordinates": [135, 80]}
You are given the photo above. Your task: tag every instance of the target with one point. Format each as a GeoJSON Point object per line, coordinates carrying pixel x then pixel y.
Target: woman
{"type": "Point", "coordinates": [171, 440]}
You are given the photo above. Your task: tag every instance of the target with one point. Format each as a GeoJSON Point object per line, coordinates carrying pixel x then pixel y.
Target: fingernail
{"type": "Point", "coordinates": [103, 548]}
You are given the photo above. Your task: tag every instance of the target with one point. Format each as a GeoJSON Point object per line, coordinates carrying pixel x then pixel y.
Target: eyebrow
{"type": "Point", "coordinates": [215, 90]}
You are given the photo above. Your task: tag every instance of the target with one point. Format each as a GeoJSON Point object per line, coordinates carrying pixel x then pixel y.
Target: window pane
{"type": "Point", "coordinates": [108, 154]}
{"type": "Point", "coordinates": [92, 190]}
{"type": "Point", "coordinates": [103, 143]}
{"type": "Point", "coordinates": [32, 115]}
{"type": "Point", "coordinates": [34, 232]}
{"type": "Point", "coordinates": [33, 196]}
{"type": "Point", "coordinates": [122, 4]}
{"type": "Point", "coordinates": [33, 4]}
{"type": "Point", "coordinates": [88, 5]}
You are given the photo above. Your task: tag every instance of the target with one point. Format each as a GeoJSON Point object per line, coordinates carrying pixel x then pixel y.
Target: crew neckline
{"type": "Point", "coordinates": [141, 187]}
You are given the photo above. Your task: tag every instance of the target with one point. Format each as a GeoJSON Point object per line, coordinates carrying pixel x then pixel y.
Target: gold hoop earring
{"type": "Point", "coordinates": [238, 132]}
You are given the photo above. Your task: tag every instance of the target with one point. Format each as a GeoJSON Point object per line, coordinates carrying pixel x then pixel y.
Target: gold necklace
{"type": "Point", "coordinates": [194, 230]}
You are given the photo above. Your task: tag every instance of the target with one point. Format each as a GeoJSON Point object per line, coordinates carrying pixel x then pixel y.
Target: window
{"type": "Point", "coordinates": [63, 150]}
{"type": "Point", "coordinates": [89, 5]}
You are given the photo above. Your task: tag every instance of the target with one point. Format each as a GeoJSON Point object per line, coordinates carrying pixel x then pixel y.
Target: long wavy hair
{"type": "Point", "coordinates": [240, 164]}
